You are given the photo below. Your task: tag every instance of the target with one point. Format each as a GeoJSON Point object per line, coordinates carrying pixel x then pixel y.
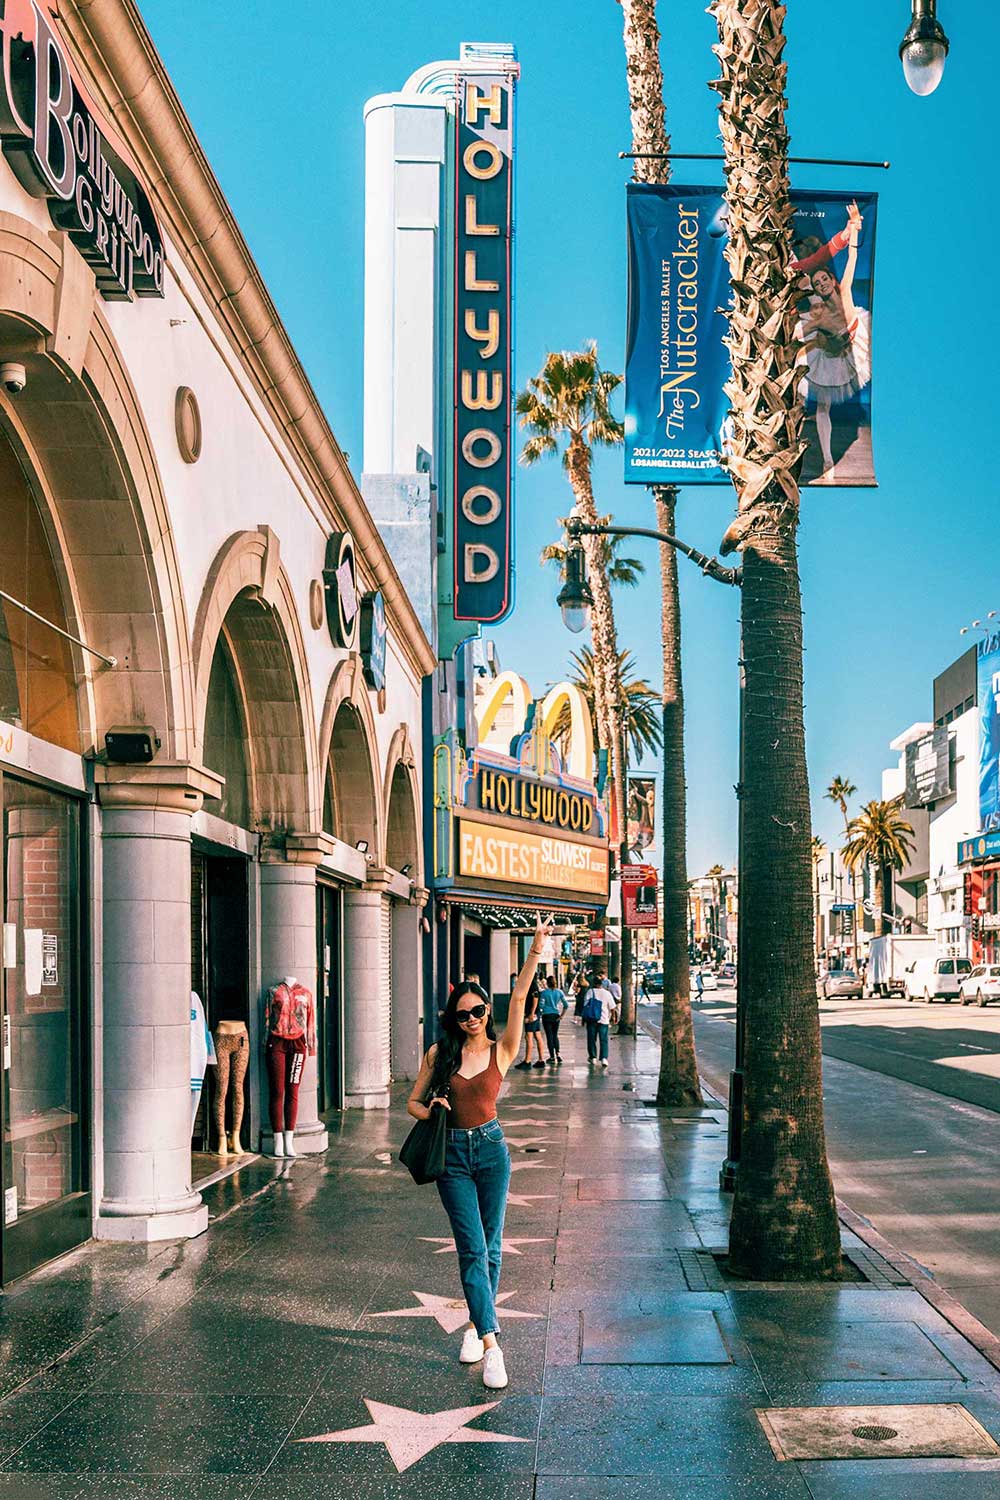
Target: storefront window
{"type": "Point", "coordinates": [37, 679]}
{"type": "Point", "coordinates": [43, 1133]}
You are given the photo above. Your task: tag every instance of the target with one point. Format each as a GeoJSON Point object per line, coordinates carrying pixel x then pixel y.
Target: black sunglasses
{"type": "Point", "coordinates": [476, 1011]}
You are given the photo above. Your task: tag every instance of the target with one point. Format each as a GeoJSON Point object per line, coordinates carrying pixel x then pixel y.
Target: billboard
{"type": "Point", "coordinates": [639, 883]}
{"type": "Point", "coordinates": [676, 363]}
{"type": "Point", "coordinates": [988, 697]}
{"type": "Point", "coordinates": [928, 769]}
{"type": "Point", "coordinates": [641, 819]}
{"type": "Point", "coordinates": [484, 125]}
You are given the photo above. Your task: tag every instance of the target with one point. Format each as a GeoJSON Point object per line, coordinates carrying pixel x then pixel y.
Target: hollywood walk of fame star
{"type": "Point", "coordinates": [546, 1124]}
{"type": "Point", "coordinates": [529, 1140]}
{"type": "Point", "coordinates": [450, 1313]}
{"type": "Point", "coordinates": [525, 1200]}
{"type": "Point", "coordinates": [508, 1247]}
{"type": "Point", "coordinates": [531, 1106]}
{"type": "Point", "coordinates": [410, 1435]}
{"type": "Point", "coordinates": [532, 1166]}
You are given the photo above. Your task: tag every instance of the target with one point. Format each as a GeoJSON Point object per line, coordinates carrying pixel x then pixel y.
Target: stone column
{"type": "Point", "coordinates": [366, 1058]}
{"type": "Point", "coordinates": [288, 947]}
{"type": "Point", "coordinates": [407, 986]}
{"type": "Point", "coordinates": [146, 917]}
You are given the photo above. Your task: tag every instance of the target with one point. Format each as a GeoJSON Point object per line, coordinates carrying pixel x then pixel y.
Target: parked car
{"type": "Point", "coordinates": [982, 984]}
{"type": "Point", "coordinates": [936, 978]}
{"type": "Point", "coordinates": [654, 981]}
{"type": "Point", "coordinates": [842, 984]}
{"type": "Point", "coordinates": [727, 974]}
{"type": "Point", "coordinates": [708, 980]}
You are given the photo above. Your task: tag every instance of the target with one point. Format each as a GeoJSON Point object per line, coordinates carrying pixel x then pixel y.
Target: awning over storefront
{"type": "Point", "coordinates": [500, 913]}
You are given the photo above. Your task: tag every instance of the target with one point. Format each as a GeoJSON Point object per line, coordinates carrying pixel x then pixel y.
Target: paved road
{"type": "Point", "coordinates": [913, 1119]}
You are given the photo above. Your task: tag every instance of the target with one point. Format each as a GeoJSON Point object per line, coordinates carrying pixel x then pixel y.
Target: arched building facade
{"type": "Point", "coordinates": [209, 777]}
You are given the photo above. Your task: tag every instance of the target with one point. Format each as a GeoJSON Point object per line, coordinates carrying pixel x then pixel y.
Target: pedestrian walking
{"type": "Point", "coordinates": [552, 1006]}
{"type": "Point", "coordinates": [699, 984]}
{"type": "Point", "coordinates": [470, 1063]}
{"type": "Point", "coordinates": [598, 1013]}
{"type": "Point", "coordinates": [532, 1029]}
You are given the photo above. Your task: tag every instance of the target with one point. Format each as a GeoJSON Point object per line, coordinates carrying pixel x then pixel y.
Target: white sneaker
{"type": "Point", "coordinates": [604, 1062]}
{"type": "Point", "coordinates": [472, 1348]}
{"type": "Point", "coordinates": [494, 1369]}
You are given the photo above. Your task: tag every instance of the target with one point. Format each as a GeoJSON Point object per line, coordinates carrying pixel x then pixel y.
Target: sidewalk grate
{"type": "Point", "coordinates": [947, 1430]}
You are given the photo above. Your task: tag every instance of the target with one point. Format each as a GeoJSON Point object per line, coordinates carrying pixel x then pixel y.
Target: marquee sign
{"type": "Point", "coordinates": [54, 140]}
{"type": "Point", "coordinates": [531, 800]}
{"type": "Point", "coordinates": [515, 859]}
{"type": "Point", "coordinates": [484, 124]}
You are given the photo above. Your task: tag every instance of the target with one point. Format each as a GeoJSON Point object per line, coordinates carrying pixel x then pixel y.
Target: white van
{"type": "Point", "coordinates": [936, 978]}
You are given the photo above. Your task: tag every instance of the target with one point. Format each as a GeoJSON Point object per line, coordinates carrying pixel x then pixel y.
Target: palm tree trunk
{"type": "Point", "coordinates": [879, 899]}
{"type": "Point", "coordinates": [784, 1224]}
{"type": "Point", "coordinates": [678, 1083]}
{"type": "Point", "coordinates": [607, 686]}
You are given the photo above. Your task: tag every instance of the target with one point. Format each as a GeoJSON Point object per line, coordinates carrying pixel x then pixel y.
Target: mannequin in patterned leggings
{"type": "Point", "coordinates": [232, 1051]}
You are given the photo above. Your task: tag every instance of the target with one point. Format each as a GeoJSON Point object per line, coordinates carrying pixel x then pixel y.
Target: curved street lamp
{"type": "Point", "coordinates": [574, 598]}
{"type": "Point", "coordinates": [924, 48]}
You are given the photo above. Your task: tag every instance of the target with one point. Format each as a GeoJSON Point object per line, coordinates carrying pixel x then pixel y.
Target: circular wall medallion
{"type": "Point", "coordinates": [187, 424]}
{"type": "Point", "coordinates": [317, 604]}
{"type": "Point", "coordinates": [340, 579]}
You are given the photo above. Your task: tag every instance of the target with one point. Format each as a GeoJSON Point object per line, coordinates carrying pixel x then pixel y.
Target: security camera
{"type": "Point", "coordinates": [13, 378]}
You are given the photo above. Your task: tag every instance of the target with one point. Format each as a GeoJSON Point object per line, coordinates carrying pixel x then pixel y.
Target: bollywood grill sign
{"type": "Point", "coordinates": [55, 144]}
{"type": "Point", "coordinates": [484, 124]}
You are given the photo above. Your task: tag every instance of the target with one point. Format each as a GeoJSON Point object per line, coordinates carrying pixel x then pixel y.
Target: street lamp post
{"type": "Point", "coordinates": [575, 598]}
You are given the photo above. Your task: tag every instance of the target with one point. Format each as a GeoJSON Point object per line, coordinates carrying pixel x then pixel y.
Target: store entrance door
{"type": "Point", "coordinates": [329, 1000]}
{"type": "Point", "coordinates": [220, 976]}
{"type": "Point", "coordinates": [46, 1134]}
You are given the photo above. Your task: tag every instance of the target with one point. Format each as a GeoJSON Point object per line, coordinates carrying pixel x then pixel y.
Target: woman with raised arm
{"type": "Point", "coordinates": [836, 334]}
{"type": "Point", "coordinates": [462, 1073]}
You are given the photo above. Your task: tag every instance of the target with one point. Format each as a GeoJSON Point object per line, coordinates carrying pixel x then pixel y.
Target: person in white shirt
{"type": "Point", "coordinates": [598, 1009]}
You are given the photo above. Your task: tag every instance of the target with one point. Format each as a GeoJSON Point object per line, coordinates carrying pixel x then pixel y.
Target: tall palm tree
{"type": "Point", "coordinates": [623, 572]}
{"type": "Point", "coordinates": [567, 404]}
{"type": "Point", "coordinates": [678, 1081]}
{"type": "Point", "coordinates": [638, 700]}
{"type": "Point", "coordinates": [784, 1223]}
{"type": "Point", "coordinates": [880, 837]}
{"type": "Point", "coordinates": [839, 791]}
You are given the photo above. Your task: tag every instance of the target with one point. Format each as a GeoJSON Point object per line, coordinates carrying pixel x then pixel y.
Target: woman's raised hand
{"type": "Point", "coordinates": [543, 930]}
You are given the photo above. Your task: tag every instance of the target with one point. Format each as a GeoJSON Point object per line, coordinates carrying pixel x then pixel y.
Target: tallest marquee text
{"type": "Point", "coordinates": [483, 230]}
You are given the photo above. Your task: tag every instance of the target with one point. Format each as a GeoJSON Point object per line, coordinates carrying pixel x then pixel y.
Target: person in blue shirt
{"type": "Point", "coordinates": [552, 1006]}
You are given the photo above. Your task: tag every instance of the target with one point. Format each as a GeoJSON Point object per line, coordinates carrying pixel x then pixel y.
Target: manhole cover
{"type": "Point", "coordinates": [875, 1434]}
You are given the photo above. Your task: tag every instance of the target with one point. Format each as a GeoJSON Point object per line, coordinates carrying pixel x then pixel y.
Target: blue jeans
{"type": "Point", "coordinates": [597, 1032]}
{"type": "Point", "coordinates": [473, 1189]}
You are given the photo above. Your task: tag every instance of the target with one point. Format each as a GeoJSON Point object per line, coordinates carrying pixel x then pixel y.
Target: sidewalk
{"type": "Point", "coordinates": [306, 1346]}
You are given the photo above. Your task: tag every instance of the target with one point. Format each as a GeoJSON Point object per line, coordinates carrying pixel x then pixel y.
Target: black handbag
{"type": "Point", "coordinates": [425, 1148]}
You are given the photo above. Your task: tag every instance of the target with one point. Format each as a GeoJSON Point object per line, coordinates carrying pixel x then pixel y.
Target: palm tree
{"type": "Point", "coordinates": [878, 836]}
{"type": "Point", "coordinates": [839, 790]}
{"type": "Point", "coordinates": [638, 702]}
{"type": "Point", "coordinates": [623, 572]}
{"type": "Point", "coordinates": [784, 1222]}
{"type": "Point", "coordinates": [568, 403]}
{"type": "Point", "coordinates": [678, 1081]}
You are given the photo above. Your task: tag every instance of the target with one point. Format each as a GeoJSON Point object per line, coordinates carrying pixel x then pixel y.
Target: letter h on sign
{"type": "Point", "coordinates": [482, 456]}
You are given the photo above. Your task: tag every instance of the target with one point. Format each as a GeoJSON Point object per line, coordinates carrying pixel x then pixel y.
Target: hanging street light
{"type": "Point", "coordinates": [574, 598]}
{"type": "Point", "coordinates": [924, 48]}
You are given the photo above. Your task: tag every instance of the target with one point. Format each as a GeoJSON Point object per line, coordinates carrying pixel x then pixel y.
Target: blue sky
{"type": "Point", "coordinates": [889, 575]}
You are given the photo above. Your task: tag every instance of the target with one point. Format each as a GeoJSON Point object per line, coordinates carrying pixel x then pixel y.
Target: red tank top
{"type": "Point", "coordinates": [474, 1100]}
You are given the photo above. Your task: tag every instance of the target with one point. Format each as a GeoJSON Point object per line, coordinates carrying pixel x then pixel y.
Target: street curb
{"type": "Point", "coordinates": [953, 1311]}
{"type": "Point", "coordinates": [977, 1334]}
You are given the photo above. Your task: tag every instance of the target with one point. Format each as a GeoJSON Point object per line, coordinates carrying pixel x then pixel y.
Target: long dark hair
{"type": "Point", "coordinates": [448, 1058]}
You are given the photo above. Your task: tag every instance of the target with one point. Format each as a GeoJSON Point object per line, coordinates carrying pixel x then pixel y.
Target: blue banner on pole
{"type": "Point", "coordinates": [677, 365]}
{"type": "Point", "coordinates": [988, 674]}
